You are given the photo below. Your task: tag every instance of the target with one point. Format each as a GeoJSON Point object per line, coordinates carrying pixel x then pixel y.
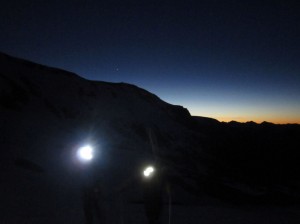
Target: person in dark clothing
{"type": "Point", "coordinates": [154, 189]}
{"type": "Point", "coordinates": [156, 186]}
{"type": "Point", "coordinates": [90, 176]}
{"type": "Point", "coordinates": [92, 203]}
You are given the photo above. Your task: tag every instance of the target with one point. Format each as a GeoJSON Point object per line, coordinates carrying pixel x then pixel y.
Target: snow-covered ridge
{"type": "Point", "coordinates": [46, 112]}
{"type": "Point", "coordinates": [40, 102]}
{"type": "Point", "coordinates": [22, 80]}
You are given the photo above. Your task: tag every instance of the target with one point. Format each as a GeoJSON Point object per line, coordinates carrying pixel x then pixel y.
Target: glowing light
{"type": "Point", "coordinates": [148, 171]}
{"type": "Point", "coordinates": [85, 153]}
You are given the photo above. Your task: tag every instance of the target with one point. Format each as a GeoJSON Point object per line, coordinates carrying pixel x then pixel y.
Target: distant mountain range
{"type": "Point", "coordinates": [47, 112]}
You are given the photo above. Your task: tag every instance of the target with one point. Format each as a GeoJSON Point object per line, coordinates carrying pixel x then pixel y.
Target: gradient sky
{"type": "Point", "coordinates": [230, 60]}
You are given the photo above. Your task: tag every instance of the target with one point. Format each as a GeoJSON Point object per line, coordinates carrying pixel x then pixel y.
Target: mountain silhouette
{"type": "Point", "coordinates": [47, 113]}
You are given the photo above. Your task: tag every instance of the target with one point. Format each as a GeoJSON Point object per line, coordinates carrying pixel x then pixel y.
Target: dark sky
{"type": "Point", "coordinates": [231, 60]}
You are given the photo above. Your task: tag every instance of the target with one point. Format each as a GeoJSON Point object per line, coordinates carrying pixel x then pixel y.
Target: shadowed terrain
{"type": "Point", "coordinates": [46, 113]}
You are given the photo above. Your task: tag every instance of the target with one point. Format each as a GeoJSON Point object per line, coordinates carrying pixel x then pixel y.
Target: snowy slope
{"type": "Point", "coordinates": [122, 112]}
{"type": "Point", "coordinates": [46, 113]}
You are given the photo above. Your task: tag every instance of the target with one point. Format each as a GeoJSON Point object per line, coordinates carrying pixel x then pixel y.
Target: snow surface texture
{"type": "Point", "coordinates": [47, 113]}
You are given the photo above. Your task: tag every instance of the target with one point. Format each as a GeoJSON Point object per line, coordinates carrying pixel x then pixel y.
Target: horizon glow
{"type": "Point", "coordinates": [243, 106]}
{"type": "Point", "coordinates": [225, 61]}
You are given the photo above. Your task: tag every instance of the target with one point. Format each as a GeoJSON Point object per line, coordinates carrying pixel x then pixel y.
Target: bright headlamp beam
{"type": "Point", "coordinates": [85, 153]}
{"type": "Point", "coordinates": [148, 171]}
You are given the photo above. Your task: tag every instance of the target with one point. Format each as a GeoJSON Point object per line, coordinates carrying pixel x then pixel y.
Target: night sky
{"type": "Point", "coordinates": [230, 60]}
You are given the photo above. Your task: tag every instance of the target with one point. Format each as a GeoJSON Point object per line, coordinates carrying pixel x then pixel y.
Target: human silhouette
{"type": "Point", "coordinates": [154, 189]}
{"type": "Point", "coordinates": [93, 203]}
{"type": "Point", "coordinates": [156, 186]}
{"type": "Point", "coordinates": [92, 192]}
